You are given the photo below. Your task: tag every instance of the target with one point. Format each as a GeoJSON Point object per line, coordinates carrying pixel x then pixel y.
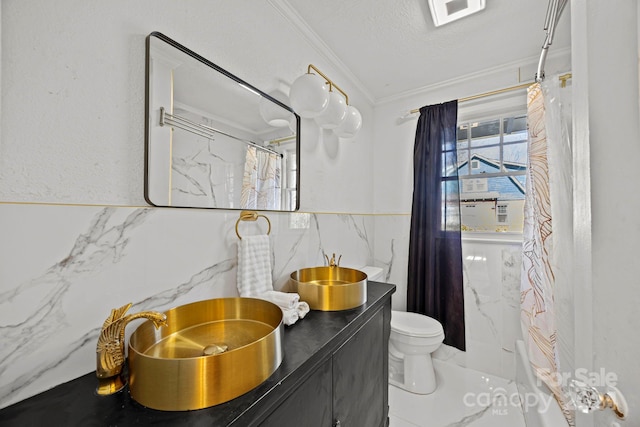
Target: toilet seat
{"type": "Point", "coordinates": [415, 325]}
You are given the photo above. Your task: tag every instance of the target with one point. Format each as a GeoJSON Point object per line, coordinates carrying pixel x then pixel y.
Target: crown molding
{"type": "Point", "coordinates": [496, 70]}
{"type": "Point", "coordinates": [294, 18]}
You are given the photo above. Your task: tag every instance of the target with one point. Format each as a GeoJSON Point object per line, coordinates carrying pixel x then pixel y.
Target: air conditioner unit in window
{"type": "Point", "coordinates": [502, 214]}
{"type": "Point", "coordinates": [445, 11]}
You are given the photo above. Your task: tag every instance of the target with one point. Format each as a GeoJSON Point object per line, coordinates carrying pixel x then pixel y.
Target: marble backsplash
{"type": "Point", "coordinates": [65, 267]}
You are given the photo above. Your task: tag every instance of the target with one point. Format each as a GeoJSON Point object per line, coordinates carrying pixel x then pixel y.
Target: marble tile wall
{"type": "Point", "coordinates": [63, 268]}
{"type": "Point", "coordinates": [492, 304]}
{"type": "Point", "coordinates": [491, 290]}
{"type": "Point", "coordinates": [392, 254]}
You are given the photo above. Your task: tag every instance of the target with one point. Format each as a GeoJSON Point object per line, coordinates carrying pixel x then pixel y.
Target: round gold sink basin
{"type": "Point", "coordinates": [212, 351]}
{"type": "Point", "coordinates": [331, 288]}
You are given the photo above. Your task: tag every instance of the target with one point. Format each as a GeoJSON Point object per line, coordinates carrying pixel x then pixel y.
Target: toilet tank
{"type": "Point", "coordinates": [375, 274]}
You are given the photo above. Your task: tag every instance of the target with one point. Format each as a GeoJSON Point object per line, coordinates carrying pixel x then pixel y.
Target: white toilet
{"type": "Point", "coordinates": [413, 338]}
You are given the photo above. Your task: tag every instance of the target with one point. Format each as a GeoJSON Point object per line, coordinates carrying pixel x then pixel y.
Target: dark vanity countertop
{"type": "Point", "coordinates": [306, 344]}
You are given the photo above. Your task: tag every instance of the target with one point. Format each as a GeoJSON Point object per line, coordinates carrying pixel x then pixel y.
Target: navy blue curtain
{"type": "Point", "coordinates": [434, 285]}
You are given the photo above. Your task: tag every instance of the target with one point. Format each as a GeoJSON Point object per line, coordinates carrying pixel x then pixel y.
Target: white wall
{"type": "Point", "coordinates": [72, 141]}
{"type": "Point", "coordinates": [73, 94]}
{"type": "Point", "coordinates": [605, 48]}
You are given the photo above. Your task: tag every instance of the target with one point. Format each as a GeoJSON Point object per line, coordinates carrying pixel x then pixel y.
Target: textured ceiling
{"type": "Point", "coordinates": [392, 46]}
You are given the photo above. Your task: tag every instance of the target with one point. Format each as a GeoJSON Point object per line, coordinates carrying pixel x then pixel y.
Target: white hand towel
{"type": "Point", "coordinates": [289, 316]}
{"type": "Point", "coordinates": [302, 309]}
{"type": "Point", "coordinates": [254, 266]}
{"type": "Point", "coordinates": [286, 300]}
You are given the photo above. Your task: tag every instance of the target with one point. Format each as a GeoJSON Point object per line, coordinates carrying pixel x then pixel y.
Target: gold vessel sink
{"type": "Point", "coordinates": [331, 288]}
{"type": "Point", "coordinates": [210, 352]}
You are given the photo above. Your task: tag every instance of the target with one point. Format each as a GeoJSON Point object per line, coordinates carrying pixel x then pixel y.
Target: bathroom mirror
{"type": "Point", "coordinates": [214, 140]}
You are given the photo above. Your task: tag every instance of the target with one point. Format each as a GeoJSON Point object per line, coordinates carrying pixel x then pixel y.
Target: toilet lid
{"type": "Point", "coordinates": [414, 324]}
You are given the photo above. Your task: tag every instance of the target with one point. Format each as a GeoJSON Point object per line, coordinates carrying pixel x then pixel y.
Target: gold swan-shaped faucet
{"type": "Point", "coordinates": [110, 349]}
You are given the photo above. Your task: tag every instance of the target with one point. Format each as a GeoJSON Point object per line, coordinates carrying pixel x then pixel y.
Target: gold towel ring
{"type": "Point", "coordinates": [250, 216]}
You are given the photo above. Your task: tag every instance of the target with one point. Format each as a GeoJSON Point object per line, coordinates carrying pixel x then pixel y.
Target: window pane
{"type": "Point", "coordinates": [450, 205]}
{"type": "Point", "coordinates": [515, 124]}
{"type": "Point", "coordinates": [516, 154]}
{"type": "Point", "coordinates": [516, 137]}
{"type": "Point", "coordinates": [463, 135]}
{"type": "Point", "coordinates": [485, 133]}
{"type": "Point", "coordinates": [515, 129]}
{"type": "Point", "coordinates": [463, 165]}
{"type": "Point", "coordinates": [506, 188]}
{"type": "Point", "coordinates": [449, 164]}
{"type": "Point", "coordinates": [485, 160]}
{"type": "Point", "coordinates": [291, 178]}
{"type": "Point", "coordinates": [477, 186]}
{"type": "Point", "coordinates": [497, 147]}
{"type": "Point", "coordinates": [493, 188]}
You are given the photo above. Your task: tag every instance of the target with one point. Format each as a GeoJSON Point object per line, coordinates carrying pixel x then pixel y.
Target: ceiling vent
{"type": "Point", "coordinates": [445, 11]}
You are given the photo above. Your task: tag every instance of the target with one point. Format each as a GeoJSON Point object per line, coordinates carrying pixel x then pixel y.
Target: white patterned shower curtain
{"type": "Point", "coordinates": [261, 188]}
{"type": "Point", "coordinates": [546, 291]}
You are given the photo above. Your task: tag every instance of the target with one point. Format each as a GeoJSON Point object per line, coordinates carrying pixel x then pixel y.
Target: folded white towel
{"type": "Point", "coordinates": [254, 266]}
{"type": "Point", "coordinates": [285, 300]}
{"type": "Point", "coordinates": [254, 279]}
{"type": "Point", "coordinates": [289, 316]}
{"type": "Point", "coordinates": [302, 309]}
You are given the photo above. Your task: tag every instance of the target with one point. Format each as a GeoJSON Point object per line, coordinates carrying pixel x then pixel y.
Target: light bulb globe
{"type": "Point", "coordinates": [272, 113]}
{"type": "Point", "coordinates": [309, 95]}
{"type": "Point", "coordinates": [350, 125]}
{"type": "Point", "coordinates": [335, 112]}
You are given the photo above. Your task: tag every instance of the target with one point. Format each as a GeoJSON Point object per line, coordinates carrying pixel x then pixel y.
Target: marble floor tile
{"type": "Point", "coordinates": [464, 397]}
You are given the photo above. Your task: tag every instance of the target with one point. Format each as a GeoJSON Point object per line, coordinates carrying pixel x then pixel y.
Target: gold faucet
{"type": "Point", "coordinates": [110, 348]}
{"type": "Point", "coordinates": [332, 262]}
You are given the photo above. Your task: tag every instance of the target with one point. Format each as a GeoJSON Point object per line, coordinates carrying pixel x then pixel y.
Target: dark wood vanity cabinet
{"type": "Point", "coordinates": [309, 405]}
{"type": "Point", "coordinates": [334, 372]}
{"type": "Point", "coordinates": [360, 377]}
{"type": "Point", "coordinates": [349, 388]}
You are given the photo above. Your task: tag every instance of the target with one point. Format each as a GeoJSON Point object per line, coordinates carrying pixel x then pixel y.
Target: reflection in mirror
{"type": "Point", "coordinates": [213, 140]}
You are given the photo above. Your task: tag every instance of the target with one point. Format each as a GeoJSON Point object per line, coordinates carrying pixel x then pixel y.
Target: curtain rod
{"type": "Point", "coordinates": [563, 79]}
{"type": "Point", "coordinates": [554, 11]}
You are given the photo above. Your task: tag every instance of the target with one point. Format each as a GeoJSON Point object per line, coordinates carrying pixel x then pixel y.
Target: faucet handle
{"type": "Point", "coordinates": [588, 399]}
{"type": "Point", "coordinates": [585, 398]}
{"type": "Point", "coordinates": [332, 262]}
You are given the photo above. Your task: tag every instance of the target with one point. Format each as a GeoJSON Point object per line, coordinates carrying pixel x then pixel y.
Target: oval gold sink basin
{"type": "Point", "coordinates": [331, 288]}
{"type": "Point", "coordinates": [212, 351]}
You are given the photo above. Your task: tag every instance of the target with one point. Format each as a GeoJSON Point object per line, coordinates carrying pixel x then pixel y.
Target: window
{"type": "Point", "coordinates": [492, 164]}
{"type": "Point", "coordinates": [290, 179]}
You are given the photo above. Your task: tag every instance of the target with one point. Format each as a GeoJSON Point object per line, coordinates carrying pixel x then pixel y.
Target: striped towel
{"type": "Point", "coordinates": [254, 266]}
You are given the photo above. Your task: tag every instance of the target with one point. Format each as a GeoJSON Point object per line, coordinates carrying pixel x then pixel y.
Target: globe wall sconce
{"type": "Point", "coordinates": [272, 113]}
{"type": "Point", "coordinates": [312, 96]}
